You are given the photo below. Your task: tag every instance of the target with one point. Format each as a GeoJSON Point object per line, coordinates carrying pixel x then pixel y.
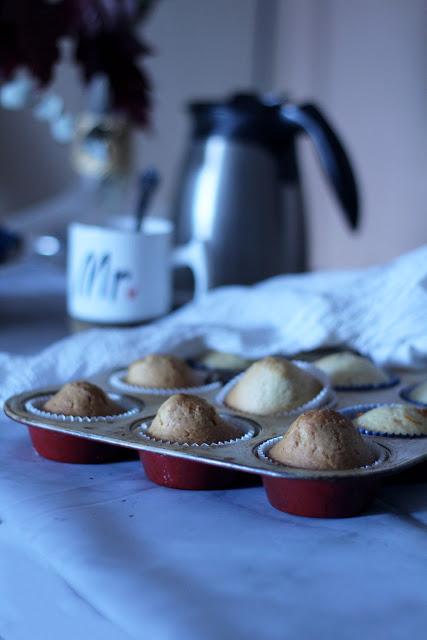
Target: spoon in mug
{"type": "Point", "coordinates": [148, 183]}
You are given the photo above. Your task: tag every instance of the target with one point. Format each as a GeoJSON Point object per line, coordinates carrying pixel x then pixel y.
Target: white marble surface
{"type": "Point", "coordinates": [101, 552]}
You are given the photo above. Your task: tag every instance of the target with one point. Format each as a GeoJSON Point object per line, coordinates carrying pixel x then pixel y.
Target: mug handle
{"type": "Point", "coordinates": [195, 256]}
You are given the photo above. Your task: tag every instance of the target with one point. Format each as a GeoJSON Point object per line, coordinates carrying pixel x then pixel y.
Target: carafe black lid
{"type": "Point", "coordinates": [245, 116]}
{"type": "Point", "coordinates": [240, 102]}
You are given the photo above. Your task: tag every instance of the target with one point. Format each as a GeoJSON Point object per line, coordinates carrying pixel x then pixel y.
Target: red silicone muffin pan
{"type": "Point", "coordinates": [179, 473]}
{"type": "Point", "coordinates": [62, 447]}
{"type": "Point", "coordinates": [192, 467]}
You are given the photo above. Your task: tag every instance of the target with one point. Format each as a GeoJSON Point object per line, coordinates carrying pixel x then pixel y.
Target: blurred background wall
{"type": "Point", "coordinates": [363, 62]}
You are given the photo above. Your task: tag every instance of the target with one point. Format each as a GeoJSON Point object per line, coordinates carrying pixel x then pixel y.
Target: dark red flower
{"type": "Point", "coordinates": [104, 33]}
{"type": "Point", "coordinates": [29, 35]}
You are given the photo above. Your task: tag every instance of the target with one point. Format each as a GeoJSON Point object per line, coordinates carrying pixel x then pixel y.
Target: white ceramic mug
{"type": "Point", "coordinates": [118, 275]}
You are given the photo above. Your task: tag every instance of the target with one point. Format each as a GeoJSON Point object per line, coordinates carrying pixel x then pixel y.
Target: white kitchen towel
{"type": "Point", "coordinates": [380, 311]}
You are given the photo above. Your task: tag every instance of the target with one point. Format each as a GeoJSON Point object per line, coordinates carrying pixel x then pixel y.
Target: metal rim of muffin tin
{"type": "Point", "coordinates": [398, 454]}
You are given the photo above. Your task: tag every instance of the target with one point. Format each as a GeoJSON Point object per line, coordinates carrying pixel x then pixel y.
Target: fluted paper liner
{"type": "Point", "coordinates": [33, 405]}
{"type": "Point", "coordinates": [118, 380]}
{"type": "Point", "coordinates": [264, 448]}
{"type": "Point", "coordinates": [247, 427]}
{"type": "Point", "coordinates": [351, 413]}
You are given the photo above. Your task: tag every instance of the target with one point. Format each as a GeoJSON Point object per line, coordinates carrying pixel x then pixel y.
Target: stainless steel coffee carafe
{"type": "Point", "coordinates": [239, 193]}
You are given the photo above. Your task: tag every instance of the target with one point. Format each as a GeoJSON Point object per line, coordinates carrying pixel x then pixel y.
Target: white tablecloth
{"type": "Point", "coordinates": [101, 552]}
{"type": "Point", "coordinates": [380, 311]}
{"type": "Point", "coordinates": [107, 554]}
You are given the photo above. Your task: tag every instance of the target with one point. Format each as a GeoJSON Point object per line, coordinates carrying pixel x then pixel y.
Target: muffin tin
{"type": "Point", "coordinates": [299, 491]}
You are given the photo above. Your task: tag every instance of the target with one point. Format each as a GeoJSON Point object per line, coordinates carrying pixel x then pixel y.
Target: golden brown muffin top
{"type": "Point", "coordinates": [395, 419]}
{"type": "Point", "coordinates": [348, 369]}
{"type": "Point", "coordinates": [161, 372]}
{"type": "Point", "coordinates": [222, 360]}
{"type": "Point", "coordinates": [272, 385]}
{"type": "Point", "coordinates": [323, 439]}
{"type": "Point", "coordinates": [81, 398]}
{"type": "Point", "coordinates": [184, 418]}
{"type": "Point", "coordinates": [419, 393]}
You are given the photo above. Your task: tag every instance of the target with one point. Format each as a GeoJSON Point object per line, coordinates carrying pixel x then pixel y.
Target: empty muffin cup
{"type": "Point", "coordinates": [183, 473]}
{"type": "Point", "coordinates": [63, 447]}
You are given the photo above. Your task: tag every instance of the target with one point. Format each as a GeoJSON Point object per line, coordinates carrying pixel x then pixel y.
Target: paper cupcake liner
{"type": "Point", "coordinates": [331, 400]}
{"type": "Point", "coordinates": [391, 382]}
{"type": "Point", "coordinates": [117, 380]}
{"type": "Point", "coordinates": [132, 408]}
{"type": "Point", "coordinates": [351, 413]}
{"type": "Point", "coordinates": [248, 427]}
{"type": "Point", "coordinates": [405, 395]}
{"type": "Point", "coordinates": [320, 400]}
{"type": "Point", "coordinates": [264, 447]}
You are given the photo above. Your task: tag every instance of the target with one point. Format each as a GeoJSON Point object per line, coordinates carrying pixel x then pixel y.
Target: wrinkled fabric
{"type": "Point", "coordinates": [380, 311]}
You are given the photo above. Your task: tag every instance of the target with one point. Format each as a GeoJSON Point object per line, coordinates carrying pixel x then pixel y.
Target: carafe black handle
{"type": "Point", "coordinates": [332, 155]}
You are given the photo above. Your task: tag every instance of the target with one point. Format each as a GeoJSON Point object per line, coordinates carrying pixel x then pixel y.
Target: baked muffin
{"type": "Point", "coordinates": [419, 393]}
{"type": "Point", "coordinates": [346, 369]}
{"type": "Point", "coordinates": [221, 360]}
{"type": "Point", "coordinates": [394, 419]}
{"type": "Point", "coordinates": [161, 372]}
{"type": "Point", "coordinates": [82, 399]}
{"type": "Point", "coordinates": [272, 385]}
{"type": "Point", "coordinates": [323, 439]}
{"type": "Point", "coordinates": [184, 418]}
